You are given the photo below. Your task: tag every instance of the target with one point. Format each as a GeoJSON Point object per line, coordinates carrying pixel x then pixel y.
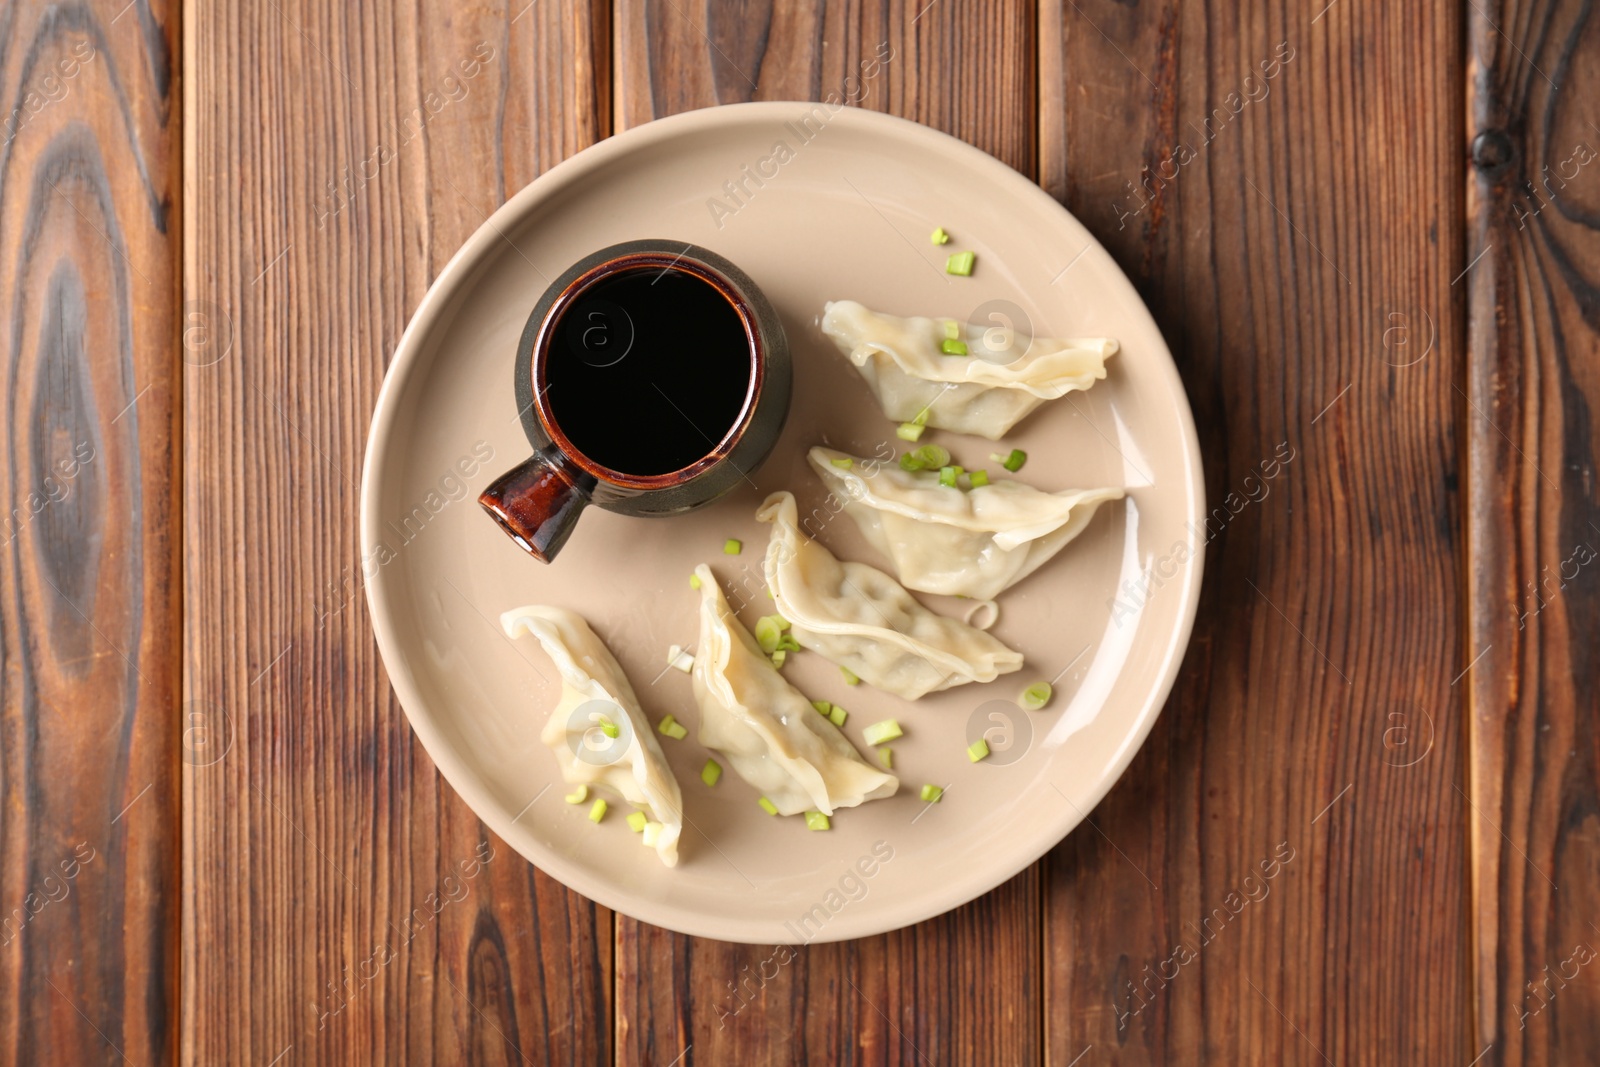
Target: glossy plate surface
{"type": "Point", "coordinates": [843, 210]}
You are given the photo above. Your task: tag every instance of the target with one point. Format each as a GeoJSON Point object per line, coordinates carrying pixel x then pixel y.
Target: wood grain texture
{"type": "Point", "coordinates": [88, 615]}
{"type": "Point", "coordinates": [1278, 876]}
{"type": "Point", "coordinates": [963, 67]}
{"type": "Point", "coordinates": [963, 988]}
{"type": "Point", "coordinates": [341, 904]}
{"type": "Point", "coordinates": [1533, 381]}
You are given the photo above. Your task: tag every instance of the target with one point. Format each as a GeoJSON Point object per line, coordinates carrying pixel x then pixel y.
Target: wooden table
{"type": "Point", "coordinates": [1369, 233]}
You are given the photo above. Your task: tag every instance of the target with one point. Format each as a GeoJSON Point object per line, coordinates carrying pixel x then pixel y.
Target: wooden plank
{"type": "Point", "coordinates": [1533, 381]}
{"type": "Point", "coordinates": [963, 988]}
{"type": "Point", "coordinates": [89, 616]}
{"type": "Point", "coordinates": [1277, 879]}
{"type": "Point", "coordinates": [967, 69]}
{"type": "Point", "coordinates": [342, 905]}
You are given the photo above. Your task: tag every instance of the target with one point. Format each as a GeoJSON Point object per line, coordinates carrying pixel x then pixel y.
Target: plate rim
{"type": "Point", "coordinates": [376, 465]}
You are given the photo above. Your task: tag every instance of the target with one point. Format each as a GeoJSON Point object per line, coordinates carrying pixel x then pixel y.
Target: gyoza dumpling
{"type": "Point", "coordinates": [960, 542]}
{"type": "Point", "coordinates": [863, 620]}
{"type": "Point", "coordinates": [593, 688]}
{"type": "Point", "coordinates": [768, 731]}
{"type": "Point", "coordinates": [986, 393]}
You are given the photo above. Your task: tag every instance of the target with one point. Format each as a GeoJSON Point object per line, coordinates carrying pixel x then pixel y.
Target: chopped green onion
{"type": "Point", "coordinates": [815, 820]}
{"type": "Point", "coordinates": [652, 833]}
{"type": "Point", "coordinates": [1035, 696]}
{"type": "Point", "coordinates": [636, 821]}
{"type": "Point", "coordinates": [953, 348]}
{"type": "Point", "coordinates": [978, 750]}
{"type": "Point", "coordinates": [844, 463]}
{"type": "Point", "coordinates": [598, 811]}
{"type": "Point", "coordinates": [849, 676]}
{"type": "Point", "coordinates": [952, 330]}
{"type": "Point", "coordinates": [960, 263]}
{"type": "Point", "coordinates": [939, 237]}
{"type": "Point", "coordinates": [933, 456]}
{"type": "Point", "coordinates": [837, 716]}
{"type": "Point", "coordinates": [694, 581]}
{"type": "Point", "coordinates": [609, 728]}
{"type": "Point", "coordinates": [787, 643]}
{"type": "Point", "coordinates": [767, 632]}
{"type": "Point", "coordinates": [731, 546]}
{"type": "Point", "coordinates": [578, 795]}
{"type": "Point", "coordinates": [909, 431]}
{"type": "Point", "coordinates": [979, 479]}
{"type": "Point", "coordinates": [779, 658]}
{"type": "Point", "coordinates": [886, 757]}
{"type": "Point", "coordinates": [932, 793]}
{"type": "Point", "coordinates": [879, 732]}
{"type": "Point", "coordinates": [822, 707]}
{"type": "Point", "coordinates": [672, 728]}
{"type": "Point", "coordinates": [711, 772]}
{"type": "Point", "coordinates": [948, 475]}
{"type": "Point", "coordinates": [909, 461]}
{"type": "Point", "coordinates": [767, 806]}
{"type": "Point", "coordinates": [1012, 462]}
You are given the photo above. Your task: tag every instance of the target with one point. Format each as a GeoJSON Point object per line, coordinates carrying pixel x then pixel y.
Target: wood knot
{"type": "Point", "coordinates": [1492, 152]}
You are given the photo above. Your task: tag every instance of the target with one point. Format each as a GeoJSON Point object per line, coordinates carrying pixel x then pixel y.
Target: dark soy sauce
{"type": "Point", "coordinates": [648, 370]}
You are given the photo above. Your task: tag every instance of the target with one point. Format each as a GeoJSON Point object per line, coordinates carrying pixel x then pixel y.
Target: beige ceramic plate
{"type": "Point", "coordinates": [842, 210]}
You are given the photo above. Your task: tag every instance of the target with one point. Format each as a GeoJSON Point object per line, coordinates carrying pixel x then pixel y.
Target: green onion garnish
{"type": "Point", "coordinates": [837, 716]}
{"type": "Point", "coordinates": [787, 643]}
{"type": "Point", "coordinates": [636, 821]}
{"type": "Point", "coordinates": [598, 811]}
{"type": "Point", "coordinates": [909, 461]}
{"type": "Point", "coordinates": [879, 732]}
{"type": "Point", "coordinates": [979, 479]}
{"type": "Point", "coordinates": [908, 431]}
{"type": "Point", "coordinates": [578, 795]}
{"type": "Point", "coordinates": [933, 456]}
{"type": "Point", "coordinates": [767, 806]}
{"type": "Point", "coordinates": [694, 581]}
{"type": "Point", "coordinates": [672, 728]}
{"type": "Point", "coordinates": [767, 632]}
{"type": "Point", "coordinates": [1035, 696]}
{"type": "Point", "coordinates": [822, 707]}
{"type": "Point", "coordinates": [849, 676]}
{"type": "Point", "coordinates": [609, 728]}
{"type": "Point", "coordinates": [953, 348]}
{"type": "Point", "coordinates": [939, 237]}
{"type": "Point", "coordinates": [960, 263]}
{"type": "Point", "coordinates": [932, 793]}
{"type": "Point", "coordinates": [1012, 462]}
{"type": "Point", "coordinates": [779, 658]}
{"type": "Point", "coordinates": [652, 832]}
{"type": "Point", "coordinates": [844, 463]}
{"type": "Point", "coordinates": [711, 772]}
{"type": "Point", "coordinates": [948, 476]}
{"type": "Point", "coordinates": [731, 546]}
{"type": "Point", "coordinates": [886, 757]}
{"type": "Point", "coordinates": [952, 330]}
{"type": "Point", "coordinates": [978, 750]}
{"type": "Point", "coordinates": [815, 820]}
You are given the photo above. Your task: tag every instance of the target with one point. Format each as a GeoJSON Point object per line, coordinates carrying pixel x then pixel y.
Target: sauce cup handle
{"type": "Point", "coordinates": [537, 503]}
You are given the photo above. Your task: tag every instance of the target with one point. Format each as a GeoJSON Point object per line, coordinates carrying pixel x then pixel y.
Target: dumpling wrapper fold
{"type": "Point", "coordinates": [985, 393]}
{"type": "Point", "coordinates": [957, 542]}
{"type": "Point", "coordinates": [766, 728]}
{"type": "Point", "coordinates": [590, 674]}
{"type": "Point", "coordinates": [862, 619]}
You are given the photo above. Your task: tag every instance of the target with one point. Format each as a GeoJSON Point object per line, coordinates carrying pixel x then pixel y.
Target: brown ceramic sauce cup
{"type": "Point", "coordinates": [697, 409]}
